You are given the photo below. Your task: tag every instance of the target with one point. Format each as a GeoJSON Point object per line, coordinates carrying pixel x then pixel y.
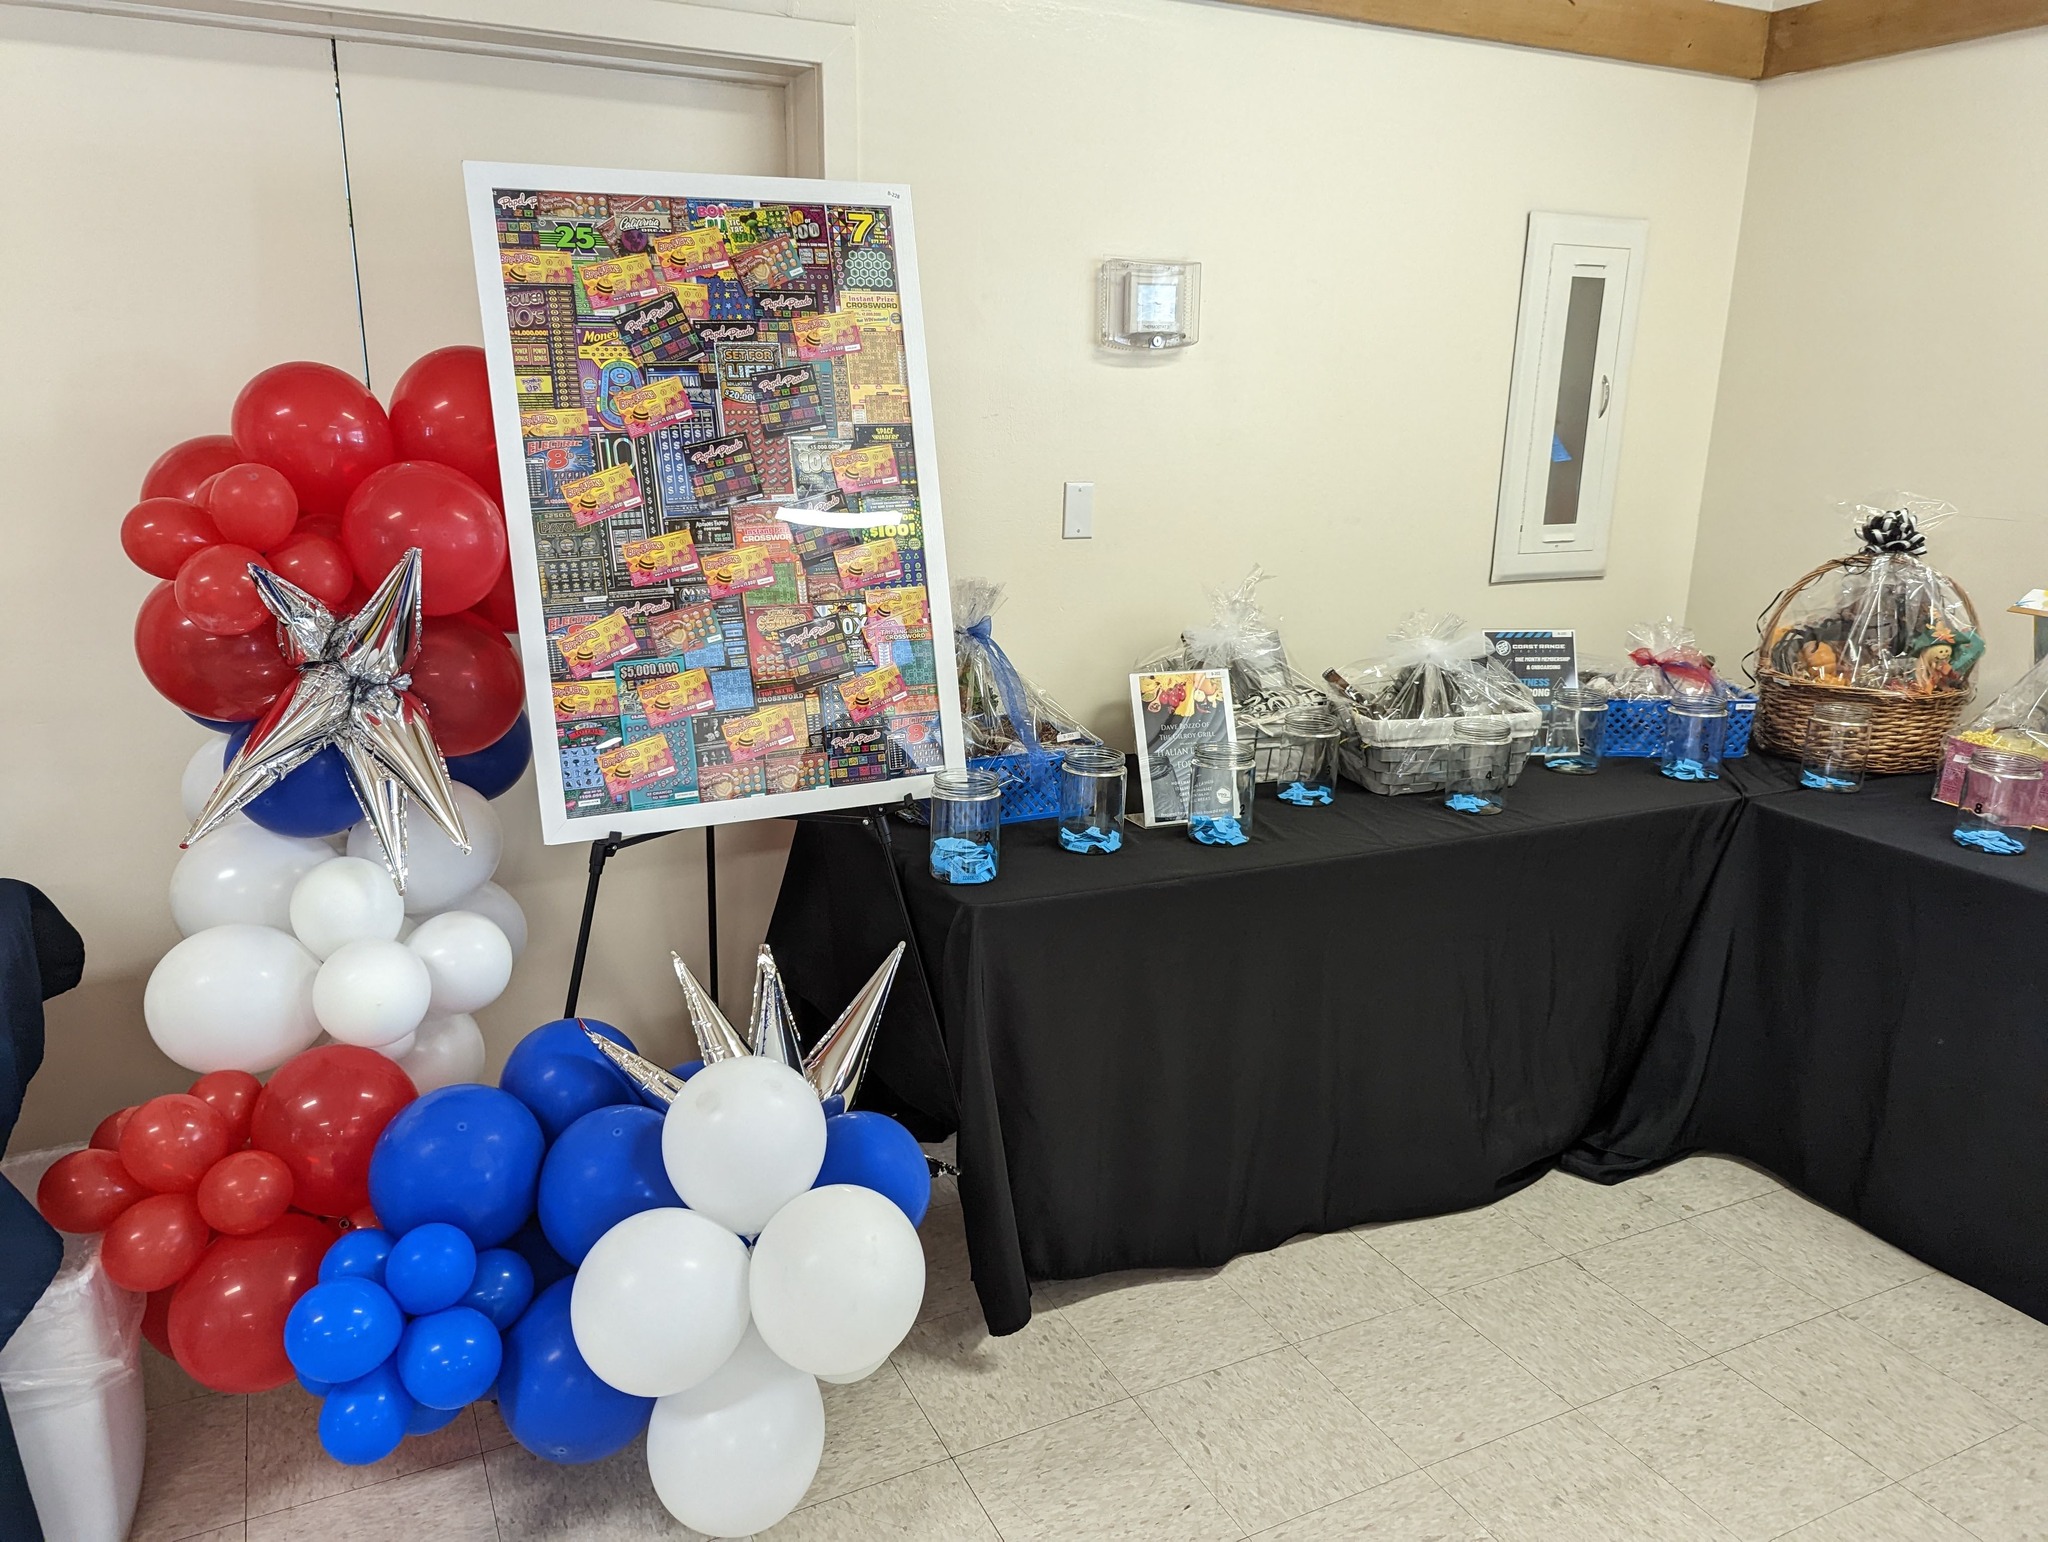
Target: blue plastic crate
{"type": "Point", "coordinates": [1031, 783]}
{"type": "Point", "coordinates": [1635, 729]}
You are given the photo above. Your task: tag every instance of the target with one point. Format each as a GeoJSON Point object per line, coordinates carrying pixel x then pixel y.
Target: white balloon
{"type": "Point", "coordinates": [438, 873]}
{"type": "Point", "coordinates": [860, 1375]}
{"type": "Point", "coordinates": [838, 1275]}
{"type": "Point", "coordinates": [733, 1456]}
{"type": "Point", "coordinates": [241, 873]}
{"type": "Point", "coordinates": [398, 1049]}
{"type": "Point", "coordinates": [446, 1050]}
{"type": "Point", "coordinates": [371, 993]}
{"type": "Point", "coordinates": [468, 960]}
{"type": "Point", "coordinates": [742, 1139]}
{"type": "Point", "coordinates": [233, 998]}
{"type": "Point", "coordinates": [501, 910]}
{"type": "Point", "coordinates": [660, 1302]}
{"type": "Point", "coordinates": [202, 774]}
{"type": "Point", "coordinates": [344, 900]}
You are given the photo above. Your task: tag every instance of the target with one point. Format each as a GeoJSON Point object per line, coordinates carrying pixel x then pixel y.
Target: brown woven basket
{"type": "Point", "coordinates": [1906, 732]}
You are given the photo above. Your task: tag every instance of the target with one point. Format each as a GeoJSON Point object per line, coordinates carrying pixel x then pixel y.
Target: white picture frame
{"type": "Point", "coordinates": [1169, 765]}
{"type": "Point", "coordinates": [559, 825]}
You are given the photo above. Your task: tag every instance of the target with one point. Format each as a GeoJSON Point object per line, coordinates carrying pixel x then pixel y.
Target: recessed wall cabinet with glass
{"type": "Point", "coordinates": [1581, 279]}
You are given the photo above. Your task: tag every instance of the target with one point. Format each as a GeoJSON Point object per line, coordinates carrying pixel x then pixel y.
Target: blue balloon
{"type": "Point", "coordinates": [341, 1330]}
{"type": "Point", "coordinates": [449, 1359]}
{"type": "Point", "coordinates": [425, 1420]}
{"type": "Point", "coordinates": [605, 1167]}
{"type": "Point", "coordinates": [681, 1073]}
{"type": "Point", "coordinates": [357, 1255]}
{"type": "Point", "coordinates": [317, 1388]}
{"type": "Point", "coordinates": [314, 800]}
{"type": "Point", "coordinates": [877, 1153]}
{"type": "Point", "coordinates": [431, 1267]}
{"type": "Point", "coordinates": [219, 725]}
{"type": "Point", "coordinates": [493, 769]}
{"type": "Point", "coordinates": [548, 1266]}
{"type": "Point", "coordinates": [559, 1074]}
{"type": "Point", "coordinates": [363, 1421]}
{"type": "Point", "coordinates": [503, 1286]}
{"type": "Point", "coordinates": [552, 1401]}
{"type": "Point", "coordinates": [465, 1154]}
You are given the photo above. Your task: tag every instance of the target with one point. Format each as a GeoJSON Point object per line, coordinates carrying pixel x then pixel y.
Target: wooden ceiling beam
{"type": "Point", "coordinates": [1704, 36]}
{"type": "Point", "coordinates": [1831, 32]}
{"type": "Point", "coordinates": [1700, 35]}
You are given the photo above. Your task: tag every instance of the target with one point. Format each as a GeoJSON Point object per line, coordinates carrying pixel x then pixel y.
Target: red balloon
{"type": "Point", "coordinates": [322, 1112]}
{"type": "Point", "coordinates": [459, 531]}
{"type": "Point", "coordinates": [87, 1191]}
{"type": "Point", "coordinates": [156, 1319]}
{"type": "Point", "coordinates": [227, 679]}
{"type": "Point", "coordinates": [364, 1219]}
{"type": "Point", "coordinates": [244, 1192]}
{"type": "Point", "coordinates": [468, 676]}
{"type": "Point", "coordinates": [315, 562]}
{"type": "Point", "coordinates": [500, 607]}
{"type": "Point", "coordinates": [160, 534]}
{"type": "Point", "coordinates": [106, 1135]}
{"type": "Point", "coordinates": [171, 1141]}
{"type": "Point", "coordinates": [253, 505]}
{"type": "Point", "coordinates": [232, 1095]}
{"type": "Point", "coordinates": [316, 424]}
{"type": "Point", "coordinates": [154, 1242]}
{"type": "Point", "coordinates": [178, 472]}
{"type": "Point", "coordinates": [227, 1319]}
{"type": "Point", "coordinates": [441, 411]}
{"type": "Point", "coordinates": [216, 593]}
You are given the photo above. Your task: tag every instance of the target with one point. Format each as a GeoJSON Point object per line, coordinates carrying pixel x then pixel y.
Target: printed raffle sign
{"type": "Point", "coordinates": [714, 426]}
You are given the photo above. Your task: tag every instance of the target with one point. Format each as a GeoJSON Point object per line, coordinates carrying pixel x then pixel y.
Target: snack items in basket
{"type": "Point", "coordinates": [2015, 722]}
{"type": "Point", "coordinates": [1264, 686]}
{"type": "Point", "coordinates": [1010, 726]}
{"type": "Point", "coordinates": [1400, 709]}
{"type": "Point", "coordinates": [1880, 624]}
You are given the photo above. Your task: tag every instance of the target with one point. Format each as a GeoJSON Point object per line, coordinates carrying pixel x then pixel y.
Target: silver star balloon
{"type": "Point", "coordinates": [771, 1025]}
{"type": "Point", "coordinates": [835, 1064]}
{"type": "Point", "coordinates": [351, 693]}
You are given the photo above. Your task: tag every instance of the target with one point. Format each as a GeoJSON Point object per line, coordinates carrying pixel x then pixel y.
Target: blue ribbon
{"type": "Point", "coordinates": [1690, 771]}
{"type": "Point", "coordinates": [1091, 839]}
{"type": "Point", "coordinates": [1009, 685]}
{"type": "Point", "coordinates": [1822, 783]}
{"type": "Point", "coordinates": [1467, 802]}
{"type": "Point", "coordinates": [1995, 841]}
{"type": "Point", "coordinates": [1217, 830]}
{"type": "Point", "coordinates": [1302, 795]}
{"type": "Point", "coordinates": [959, 860]}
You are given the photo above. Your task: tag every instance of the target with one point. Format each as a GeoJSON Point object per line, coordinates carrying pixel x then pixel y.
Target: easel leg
{"type": "Point", "coordinates": [600, 853]}
{"type": "Point", "coordinates": [711, 902]}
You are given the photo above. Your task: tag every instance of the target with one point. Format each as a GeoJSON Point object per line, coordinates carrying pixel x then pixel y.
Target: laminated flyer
{"type": "Point", "coordinates": [715, 430]}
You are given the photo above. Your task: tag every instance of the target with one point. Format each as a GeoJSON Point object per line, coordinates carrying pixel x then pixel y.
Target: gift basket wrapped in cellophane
{"type": "Point", "coordinates": [1264, 686]}
{"type": "Point", "coordinates": [1880, 627]}
{"type": "Point", "coordinates": [1400, 707]}
{"type": "Point", "coordinates": [1663, 661]}
{"type": "Point", "coordinates": [1010, 726]}
{"type": "Point", "coordinates": [2016, 722]}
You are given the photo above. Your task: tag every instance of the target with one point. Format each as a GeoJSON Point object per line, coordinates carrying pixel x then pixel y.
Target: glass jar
{"type": "Point", "coordinates": [1999, 792]}
{"type": "Point", "coordinates": [1837, 747]}
{"type": "Point", "coordinates": [1092, 799]}
{"type": "Point", "coordinates": [1478, 765]}
{"type": "Point", "coordinates": [1307, 758]}
{"type": "Point", "coordinates": [1220, 795]}
{"type": "Point", "coordinates": [967, 822]}
{"type": "Point", "coordinates": [1695, 732]}
{"type": "Point", "coordinates": [1578, 730]}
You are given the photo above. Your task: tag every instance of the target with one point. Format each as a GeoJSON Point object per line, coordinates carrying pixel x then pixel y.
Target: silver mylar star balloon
{"type": "Point", "coordinates": [351, 693]}
{"type": "Point", "coordinates": [833, 1067]}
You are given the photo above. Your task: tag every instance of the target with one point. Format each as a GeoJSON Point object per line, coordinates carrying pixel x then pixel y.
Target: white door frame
{"type": "Point", "coordinates": [813, 61]}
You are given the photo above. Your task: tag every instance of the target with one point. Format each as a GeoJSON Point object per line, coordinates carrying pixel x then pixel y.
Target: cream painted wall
{"type": "Point", "coordinates": [1357, 197]}
{"type": "Point", "coordinates": [1889, 329]}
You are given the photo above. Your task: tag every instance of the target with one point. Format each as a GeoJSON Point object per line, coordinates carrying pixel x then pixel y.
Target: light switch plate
{"type": "Point", "coordinates": [1077, 520]}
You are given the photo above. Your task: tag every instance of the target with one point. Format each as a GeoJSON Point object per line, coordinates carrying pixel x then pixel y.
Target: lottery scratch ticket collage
{"type": "Point", "coordinates": [732, 533]}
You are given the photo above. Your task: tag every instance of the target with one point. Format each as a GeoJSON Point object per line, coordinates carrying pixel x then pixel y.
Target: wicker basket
{"type": "Point", "coordinates": [1906, 732]}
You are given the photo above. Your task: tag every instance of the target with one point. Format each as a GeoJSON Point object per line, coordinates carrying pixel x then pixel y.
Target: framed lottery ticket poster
{"type": "Point", "coordinates": [714, 428]}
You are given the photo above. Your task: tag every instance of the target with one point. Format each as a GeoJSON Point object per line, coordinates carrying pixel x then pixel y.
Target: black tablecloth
{"type": "Point", "coordinates": [1864, 1011]}
{"type": "Point", "coordinates": [1175, 1054]}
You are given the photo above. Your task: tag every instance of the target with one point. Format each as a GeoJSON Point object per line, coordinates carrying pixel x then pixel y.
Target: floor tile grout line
{"type": "Point", "coordinates": [1371, 1423]}
{"type": "Point", "coordinates": [1214, 1498]}
{"type": "Point", "coordinates": [490, 1488]}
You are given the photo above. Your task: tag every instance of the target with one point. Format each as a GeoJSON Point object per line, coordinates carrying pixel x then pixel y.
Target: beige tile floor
{"type": "Point", "coordinates": [1700, 1354]}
